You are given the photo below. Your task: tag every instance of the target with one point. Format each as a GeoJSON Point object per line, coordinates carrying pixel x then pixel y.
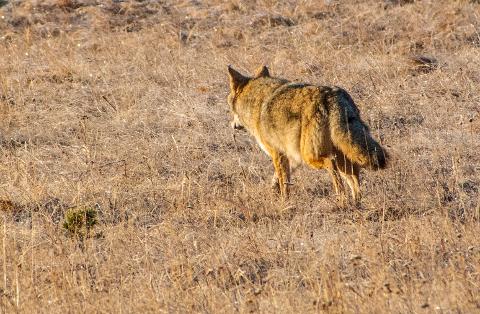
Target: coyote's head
{"type": "Point", "coordinates": [237, 83]}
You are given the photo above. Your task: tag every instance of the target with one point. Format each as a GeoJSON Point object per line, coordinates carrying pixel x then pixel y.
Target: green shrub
{"type": "Point", "coordinates": [80, 220]}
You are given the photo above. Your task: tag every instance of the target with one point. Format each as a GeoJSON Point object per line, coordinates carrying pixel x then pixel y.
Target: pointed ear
{"type": "Point", "coordinates": [236, 78]}
{"type": "Point", "coordinates": [262, 72]}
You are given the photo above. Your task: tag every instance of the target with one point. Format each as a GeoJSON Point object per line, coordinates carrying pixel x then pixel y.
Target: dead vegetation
{"type": "Point", "coordinates": [122, 105]}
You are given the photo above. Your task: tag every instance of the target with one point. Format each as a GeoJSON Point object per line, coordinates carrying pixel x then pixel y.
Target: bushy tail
{"type": "Point", "coordinates": [350, 135]}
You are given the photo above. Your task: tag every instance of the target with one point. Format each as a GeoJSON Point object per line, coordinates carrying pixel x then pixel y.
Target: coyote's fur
{"type": "Point", "coordinates": [298, 123]}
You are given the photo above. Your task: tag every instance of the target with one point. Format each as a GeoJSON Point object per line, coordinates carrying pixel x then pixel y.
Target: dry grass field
{"type": "Point", "coordinates": [119, 107]}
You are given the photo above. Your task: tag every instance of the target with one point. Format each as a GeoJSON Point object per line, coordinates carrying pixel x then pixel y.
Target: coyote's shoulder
{"type": "Point", "coordinates": [302, 123]}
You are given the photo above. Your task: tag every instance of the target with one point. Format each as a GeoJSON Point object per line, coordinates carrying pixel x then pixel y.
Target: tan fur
{"type": "Point", "coordinates": [297, 123]}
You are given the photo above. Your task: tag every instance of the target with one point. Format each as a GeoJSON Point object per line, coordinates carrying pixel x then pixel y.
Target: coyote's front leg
{"type": "Point", "coordinates": [282, 172]}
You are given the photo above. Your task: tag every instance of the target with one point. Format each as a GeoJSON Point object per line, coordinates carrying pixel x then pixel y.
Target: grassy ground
{"type": "Point", "coordinates": [120, 107]}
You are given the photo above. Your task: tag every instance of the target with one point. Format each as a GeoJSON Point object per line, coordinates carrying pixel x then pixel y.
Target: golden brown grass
{"type": "Point", "coordinates": [120, 106]}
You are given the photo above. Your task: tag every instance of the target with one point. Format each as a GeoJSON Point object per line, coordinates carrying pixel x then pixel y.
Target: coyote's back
{"type": "Point", "coordinates": [298, 123]}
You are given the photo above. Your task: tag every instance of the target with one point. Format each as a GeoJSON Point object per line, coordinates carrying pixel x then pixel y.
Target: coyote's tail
{"type": "Point", "coordinates": [350, 135]}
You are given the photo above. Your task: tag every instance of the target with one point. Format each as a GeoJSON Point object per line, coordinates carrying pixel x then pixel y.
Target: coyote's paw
{"type": "Point", "coordinates": [341, 200]}
{"type": "Point", "coordinates": [275, 185]}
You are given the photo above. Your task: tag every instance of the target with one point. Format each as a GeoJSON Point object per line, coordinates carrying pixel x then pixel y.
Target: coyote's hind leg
{"type": "Point", "coordinates": [351, 173]}
{"type": "Point", "coordinates": [330, 165]}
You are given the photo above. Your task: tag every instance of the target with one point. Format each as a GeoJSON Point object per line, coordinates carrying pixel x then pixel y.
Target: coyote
{"type": "Point", "coordinates": [297, 123]}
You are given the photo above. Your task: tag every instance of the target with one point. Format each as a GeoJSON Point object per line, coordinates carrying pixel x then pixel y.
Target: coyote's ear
{"type": "Point", "coordinates": [262, 72]}
{"type": "Point", "coordinates": [236, 78]}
